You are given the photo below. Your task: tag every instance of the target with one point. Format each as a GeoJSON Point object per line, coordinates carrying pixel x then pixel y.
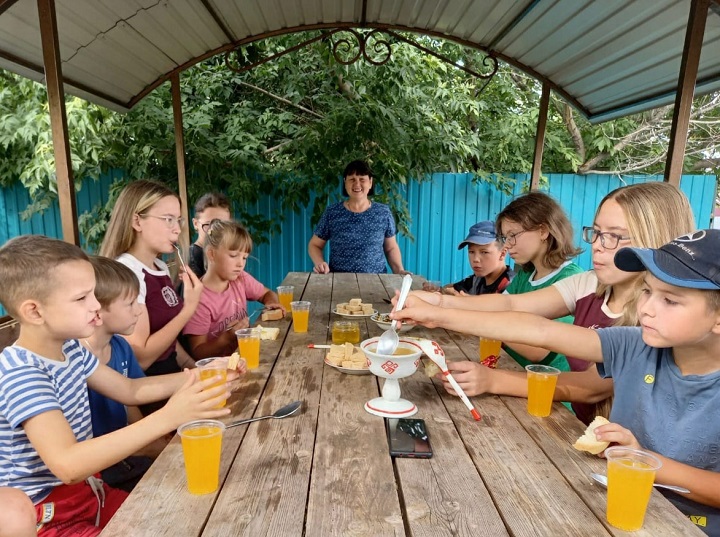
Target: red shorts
{"type": "Point", "coordinates": [71, 510]}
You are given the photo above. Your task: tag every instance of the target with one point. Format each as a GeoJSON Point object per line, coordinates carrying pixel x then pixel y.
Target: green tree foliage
{"type": "Point", "coordinates": [289, 126]}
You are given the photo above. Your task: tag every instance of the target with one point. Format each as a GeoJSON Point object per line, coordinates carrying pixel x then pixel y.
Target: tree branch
{"type": "Point", "coordinates": [278, 98]}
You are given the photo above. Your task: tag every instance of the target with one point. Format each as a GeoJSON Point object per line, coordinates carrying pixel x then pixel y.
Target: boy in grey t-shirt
{"type": "Point", "coordinates": [666, 372]}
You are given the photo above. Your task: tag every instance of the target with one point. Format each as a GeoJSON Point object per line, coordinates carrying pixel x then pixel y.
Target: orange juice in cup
{"type": "Point", "coordinates": [249, 346]}
{"type": "Point", "coordinates": [489, 349]}
{"type": "Point", "coordinates": [202, 445]}
{"type": "Point", "coordinates": [630, 474]}
{"type": "Point", "coordinates": [300, 315]}
{"type": "Point", "coordinates": [285, 294]}
{"type": "Point", "coordinates": [541, 388]}
{"type": "Point", "coordinates": [213, 367]}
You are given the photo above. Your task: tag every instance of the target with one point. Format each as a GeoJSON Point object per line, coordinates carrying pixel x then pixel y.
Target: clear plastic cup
{"type": "Point", "coordinates": [541, 389]}
{"type": "Point", "coordinates": [630, 475]}
{"type": "Point", "coordinates": [202, 446]}
{"type": "Point", "coordinates": [300, 315]}
{"type": "Point", "coordinates": [213, 367]}
{"type": "Point", "coordinates": [285, 294]}
{"type": "Point", "coordinates": [249, 346]}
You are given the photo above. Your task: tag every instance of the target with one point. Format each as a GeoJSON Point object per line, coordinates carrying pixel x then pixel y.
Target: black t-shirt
{"type": "Point", "coordinates": [473, 285]}
{"type": "Point", "coordinates": [197, 260]}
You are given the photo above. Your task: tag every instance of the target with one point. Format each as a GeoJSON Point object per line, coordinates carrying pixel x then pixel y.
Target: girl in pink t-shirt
{"type": "Point", "coordinates": [227, 289]}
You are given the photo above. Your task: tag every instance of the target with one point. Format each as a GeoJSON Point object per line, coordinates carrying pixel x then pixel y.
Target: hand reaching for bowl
{"type": "Point", "coordinates": [417, 310]}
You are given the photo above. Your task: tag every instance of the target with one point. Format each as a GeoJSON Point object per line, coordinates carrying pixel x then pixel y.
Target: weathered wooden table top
{"type": "Point", "coordinates": [327, 470]}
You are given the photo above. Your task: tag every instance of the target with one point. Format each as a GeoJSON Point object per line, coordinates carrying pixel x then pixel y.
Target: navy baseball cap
{"type": "Point", "coordinates": [691, 260]}
{"type": "Point", "coordinates": [480, 233]}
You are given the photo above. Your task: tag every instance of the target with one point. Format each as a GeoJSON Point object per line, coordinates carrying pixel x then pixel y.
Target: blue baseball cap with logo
{"type": "Point", "coordinates": [480, 233]}
{"type": "Point", "coordinates": [691, 260]}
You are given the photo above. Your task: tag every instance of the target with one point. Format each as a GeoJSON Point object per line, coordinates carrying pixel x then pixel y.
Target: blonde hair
{"type": "Point", "coordinates": [27, 266]}
{"type": "Point", "coordinates": [228, 234]}
{"type": "Point", "coordinates": [113, 280]}
{"type": "Point", "coordinates": [537, 210]}
{"type": "Point", "coordinates": [656, 213]}
{"type": "Point", "coordinates": [136, 198]}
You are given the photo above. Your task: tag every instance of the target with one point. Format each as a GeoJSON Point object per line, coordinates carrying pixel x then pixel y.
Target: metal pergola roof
{"type": "Point", "coordinates": [608, 58]}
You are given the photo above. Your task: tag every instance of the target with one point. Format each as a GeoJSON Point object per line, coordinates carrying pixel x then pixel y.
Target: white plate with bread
{"type": "Point", "coordinates": [348, 370]}
{"type": "Point", "coordinates": [355, 315]}
{"type": "Point", "coordinates": [354, 308]}
{"type": "Point", "coordinates": [347, 358]}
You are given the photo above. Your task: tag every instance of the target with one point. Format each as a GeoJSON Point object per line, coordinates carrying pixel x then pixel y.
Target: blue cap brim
{"type": "Point", "coordinates": [480, 241]}
{"type": "Point", "coordinates": [663, 266]}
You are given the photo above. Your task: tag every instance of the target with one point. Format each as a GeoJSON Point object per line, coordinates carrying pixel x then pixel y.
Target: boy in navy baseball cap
{"type": "Point", "coordinates": [666, 371]}
{"type": "Point", "coordinates": [487, 260]}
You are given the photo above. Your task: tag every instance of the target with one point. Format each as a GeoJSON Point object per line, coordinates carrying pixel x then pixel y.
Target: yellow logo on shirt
{"type": "Point", "coordinates": [698, 520]}
{"type": "Point", "coordinates": [649, 379]}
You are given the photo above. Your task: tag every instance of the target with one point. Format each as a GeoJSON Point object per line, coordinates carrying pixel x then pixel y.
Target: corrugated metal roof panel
{"type": "Point", "coordinates": [611, 57]}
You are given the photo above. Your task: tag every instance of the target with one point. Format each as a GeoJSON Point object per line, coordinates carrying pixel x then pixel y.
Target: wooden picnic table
{"type": "Point", "coordinates": [327, 470]}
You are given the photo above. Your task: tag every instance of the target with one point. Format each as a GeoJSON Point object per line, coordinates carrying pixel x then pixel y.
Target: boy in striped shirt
{"type": "Point", "coordinates": [46, 444]}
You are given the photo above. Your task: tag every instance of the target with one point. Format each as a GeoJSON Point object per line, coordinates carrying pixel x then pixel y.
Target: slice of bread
{"type": "Point", "coordinates": [233, 361]}
{"type": "Point", "coordinates": [271, 315]}
{"type": "Point", "coordinates": [588, 442]}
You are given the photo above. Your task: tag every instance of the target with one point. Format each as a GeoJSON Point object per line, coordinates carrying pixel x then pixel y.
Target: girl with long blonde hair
{"type": "Point", "coordinates": [146, 223]}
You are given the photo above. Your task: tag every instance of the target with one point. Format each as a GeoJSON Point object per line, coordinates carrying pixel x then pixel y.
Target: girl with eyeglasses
{"type": "Point", "coordinates": [227, 289]}
{"type": "Point", "coordinates": [211, 206]}
{"type": "Point", "coordinates": [645, 215]}
{"type": "Point", "coordinates": [538, 236]}
{"type": "Point", "coordinates": [145, 224]}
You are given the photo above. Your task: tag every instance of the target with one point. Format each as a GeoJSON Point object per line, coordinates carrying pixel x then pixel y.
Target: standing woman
{"type": "Point", "coordinates": [361, 232]}
{"type": "Point", "coordinates": [145, 224]}
{"type": "Point", "coordinates": [538, 236]}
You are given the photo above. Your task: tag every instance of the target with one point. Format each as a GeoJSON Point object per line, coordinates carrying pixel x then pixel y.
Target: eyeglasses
{"type": "Point", "coordinates": [511, 238]}
{"type": "Point", "coordinates": [170, 221]}
{"type": "Point", "coordinates": [608, 240]}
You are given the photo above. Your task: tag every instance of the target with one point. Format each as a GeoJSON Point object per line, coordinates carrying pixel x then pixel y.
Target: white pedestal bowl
{"type": "Point", "coordinates": [391, 368]}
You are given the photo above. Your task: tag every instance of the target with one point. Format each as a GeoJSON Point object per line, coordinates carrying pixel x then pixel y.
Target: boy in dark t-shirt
{"type": "Point", "coordinates": [487, 260]}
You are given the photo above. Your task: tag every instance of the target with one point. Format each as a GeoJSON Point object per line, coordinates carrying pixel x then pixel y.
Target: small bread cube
{"type": "Point", "coordinates": [355, 301]}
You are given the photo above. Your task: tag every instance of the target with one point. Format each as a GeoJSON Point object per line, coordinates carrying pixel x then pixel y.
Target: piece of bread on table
{"type": "Point", "coordinates": [268, 333]}
{"type": "Point", "coordinates": [588, 442]}
{"type": "Point", "coordinates": [272, 315]}
{"type": "Point", "coordinates": [355, 301]}
{"type": "Point", "coordinates": [431, 368]}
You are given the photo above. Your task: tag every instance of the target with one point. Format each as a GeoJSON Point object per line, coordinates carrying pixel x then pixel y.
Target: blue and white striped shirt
{"type": "Point", "coordinates": [31, 385]}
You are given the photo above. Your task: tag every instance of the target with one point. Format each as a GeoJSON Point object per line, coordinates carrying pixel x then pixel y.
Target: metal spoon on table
{"type": "Point", "coordinates": [389, 340]}
{"type": "Point", "coordinates": [602, 479]}
{"type": "Point", "coordinates": [284, 412]}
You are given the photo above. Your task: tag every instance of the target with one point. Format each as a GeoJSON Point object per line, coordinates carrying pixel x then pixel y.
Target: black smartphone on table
{"type": "Point", "coordinates": [408, 437]}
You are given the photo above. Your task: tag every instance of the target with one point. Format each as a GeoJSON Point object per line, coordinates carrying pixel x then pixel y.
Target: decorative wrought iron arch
{"type": "Point", "coordinates": [371, 46]}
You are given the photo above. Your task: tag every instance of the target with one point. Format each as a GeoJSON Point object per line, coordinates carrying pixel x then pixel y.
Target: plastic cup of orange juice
{"type": "Point", "coordinates": [489, 349]}
{"type": "Point", "coordinates": [213, 367]}
{"type": "Point", "coordinates": [249, 346]}
{"type": "Point", "coordinates": [300, 315]}
{"type": "Point", "coordinates": [630, 475]}
{"type": "Point", "coordinates": [541, 388]}
{"type": "Point", "coordinates": [202, 445]}
{"type": "Point", "coordinates": [285, 294]}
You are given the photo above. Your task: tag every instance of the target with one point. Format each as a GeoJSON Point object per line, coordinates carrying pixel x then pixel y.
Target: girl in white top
{"type": "Point", "coordinates": [146, 223]}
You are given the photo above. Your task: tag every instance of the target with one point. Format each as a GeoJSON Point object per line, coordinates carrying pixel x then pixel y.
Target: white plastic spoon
{"type": "Point", "coordinates": [389, 340]}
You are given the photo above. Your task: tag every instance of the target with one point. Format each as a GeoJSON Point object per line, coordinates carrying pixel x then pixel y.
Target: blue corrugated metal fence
{"type": "Point", "coordinates": [441, 210]}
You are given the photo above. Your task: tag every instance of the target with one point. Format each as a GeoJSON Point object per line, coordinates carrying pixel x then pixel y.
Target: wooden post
{"type": "Point", "coordinates": [58, 121]}
{"type": "Point", "coordinates": [540, 136]}
{"type": "Point", "coordinates": [180, 152]}
{"type": "Point", "coordinates": [686, 90]}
